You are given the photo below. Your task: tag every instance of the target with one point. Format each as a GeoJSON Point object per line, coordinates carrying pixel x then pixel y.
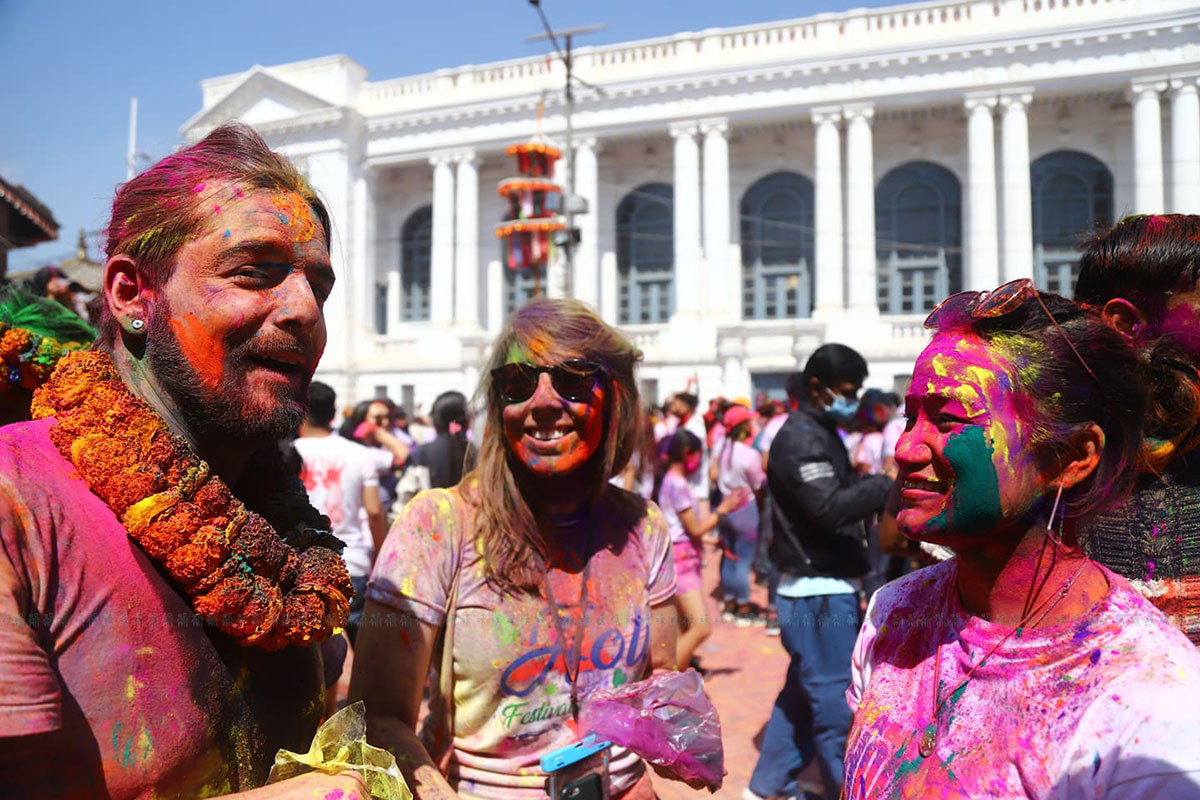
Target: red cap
{"type": "Point", "coordinates": [736, 415]}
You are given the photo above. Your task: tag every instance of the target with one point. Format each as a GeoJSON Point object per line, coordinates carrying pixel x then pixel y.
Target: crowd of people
{"type": "Point", "coordinates": [985, 588]}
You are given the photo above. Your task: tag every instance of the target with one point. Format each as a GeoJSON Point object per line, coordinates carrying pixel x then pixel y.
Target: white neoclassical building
{"type": "Point", "coordinates": [752, 192]}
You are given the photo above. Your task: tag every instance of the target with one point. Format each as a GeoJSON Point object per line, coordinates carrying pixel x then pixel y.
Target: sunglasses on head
{"type": "Point", "coordinates": [967, 306]}
{"type": "Point", "coordinates": [573, 379]}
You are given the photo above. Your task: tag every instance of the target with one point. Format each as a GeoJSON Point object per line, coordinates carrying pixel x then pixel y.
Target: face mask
{"type": "Point", "coordinates": [842, 406]}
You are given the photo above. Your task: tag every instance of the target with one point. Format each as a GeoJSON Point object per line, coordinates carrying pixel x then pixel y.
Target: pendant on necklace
{"type": "Point", "coordinates": [928, 740]}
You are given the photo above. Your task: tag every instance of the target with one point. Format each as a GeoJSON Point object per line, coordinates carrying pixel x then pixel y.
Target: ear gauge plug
{"type": "Point", "coordinates": [137, 325]}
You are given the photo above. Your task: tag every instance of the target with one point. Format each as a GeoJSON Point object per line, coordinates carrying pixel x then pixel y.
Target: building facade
{"type": "Point", "coordinates": [752, 192]}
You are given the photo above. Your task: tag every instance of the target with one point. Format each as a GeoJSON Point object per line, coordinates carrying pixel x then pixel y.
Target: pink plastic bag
{"type": "Point", "coordinates": [667, 720]}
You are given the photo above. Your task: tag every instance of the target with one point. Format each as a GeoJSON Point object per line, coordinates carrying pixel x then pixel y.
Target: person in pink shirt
{"type": "Point", "coordinates": [1020, 667]}
{"type": "Point", "coordinates": [688, 527]}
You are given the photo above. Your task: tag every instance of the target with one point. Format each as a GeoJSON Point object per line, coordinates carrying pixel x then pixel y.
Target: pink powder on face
{"type": "Point", "coordinates": [216, 209]}
{"type": "Point", "coordinates": [198, 188]}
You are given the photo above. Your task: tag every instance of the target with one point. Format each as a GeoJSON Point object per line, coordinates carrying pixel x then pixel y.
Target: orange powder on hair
{"type": "Point", "coordinates": [294, 211]}
{"type": "Point", "coordinates": [198, 347]}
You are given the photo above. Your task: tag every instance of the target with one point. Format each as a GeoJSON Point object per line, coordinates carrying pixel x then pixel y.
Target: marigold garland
{"type": "Point", "coordinates": [27, 359]}
{"type": "Point", "coordinates": [240, 575]}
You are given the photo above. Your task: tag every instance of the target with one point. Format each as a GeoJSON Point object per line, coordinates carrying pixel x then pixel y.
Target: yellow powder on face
{"type": "Point", "coordinates": [296, 213]}
{"type": "Point", "coordinates": [967, 395]}
{"type": "Point", "coordinates": [941, 365]}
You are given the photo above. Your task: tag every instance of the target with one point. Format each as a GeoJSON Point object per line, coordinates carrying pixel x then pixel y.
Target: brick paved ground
{"type": "Point", "coordinates": [745, 672]}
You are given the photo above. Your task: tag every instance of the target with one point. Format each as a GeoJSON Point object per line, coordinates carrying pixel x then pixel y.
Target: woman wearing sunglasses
{"type": "Point", "coordinates": [1019, 668]}
{"type": "Point", "coordinates": [531, 583]}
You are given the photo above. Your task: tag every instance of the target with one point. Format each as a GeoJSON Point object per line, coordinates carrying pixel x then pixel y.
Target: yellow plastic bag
{"type": "Point", "coordinates": [341, 746]}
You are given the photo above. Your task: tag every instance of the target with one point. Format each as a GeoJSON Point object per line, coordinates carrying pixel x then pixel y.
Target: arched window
{"type": "Point", "coordinates": [646, 254]}
{"type": "Point", "coordinates": [415, 238]}
{"type": "Point", "coordinates": [518, 288]}
{"type": "Point", "coordinates": [777, 247]}
{"type": "Point", "coordinates": [918, 237]}
{"type": "Point", "coordinates": [1072, 194]}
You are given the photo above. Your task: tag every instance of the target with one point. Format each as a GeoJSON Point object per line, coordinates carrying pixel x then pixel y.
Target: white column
{"type": "Point", "coordinates": [608, 287]}
{"type": "Point", "coordinates": [363, 249]}
{"type": "Point", "coordinates": [830, 241]}
{"type": "Point", "coordinates": [716, 219]}
{"type": "Point", "coordinates": [1185, 147]}
{"type": "Point", "coordinates": [983, 243]}
{"type": "Point", "coordinates": [393, 301]}
{"type": "Point", "coordinates": [495, 295]}
{"type": "Point", "coordinates": [441, 256]}
{"type": "Point", "coordinates": [1147, 148]}
{"type": "Point", "coordinates": [466, 242]}
{"type": "Point", "coordinates": [557, 283]}
{"type": "Point", "coordinates": [860, 203]}
{"type": "Point", "coordinates": [1016, 192]}
{"type": "Point", "coordinates": [687, 219]}
{"type": "Point", "coordinates": [586, 281]}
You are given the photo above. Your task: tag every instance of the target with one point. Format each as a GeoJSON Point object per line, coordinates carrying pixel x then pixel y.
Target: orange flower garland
{"type": "Point", "coordinates": [27, 359]}
{"type": "Point", "coordinates": [229, 560]}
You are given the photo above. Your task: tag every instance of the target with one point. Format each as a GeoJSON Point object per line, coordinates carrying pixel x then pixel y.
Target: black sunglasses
{"type": "Point", "coordinates": [573, 380]}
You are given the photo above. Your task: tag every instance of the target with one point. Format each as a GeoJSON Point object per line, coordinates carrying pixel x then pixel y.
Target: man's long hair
{"type": "Point", "coordinates": [550, 331]}
{"type": "Point", "coordinates": [160, 210]}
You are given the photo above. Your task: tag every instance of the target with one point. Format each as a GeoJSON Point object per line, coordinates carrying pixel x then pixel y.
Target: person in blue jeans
{"type": "Point", "coordinates": [818, 545]}
{"type": "Point", "coordinates": [739, 469]}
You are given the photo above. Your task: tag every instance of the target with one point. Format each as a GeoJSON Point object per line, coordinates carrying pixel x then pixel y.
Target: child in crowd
{"type": "Point", "coordinates": [673, 493]}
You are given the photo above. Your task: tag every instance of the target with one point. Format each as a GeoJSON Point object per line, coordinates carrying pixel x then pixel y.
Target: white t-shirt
{"type": "Point", "coordinates": [891, 434]}
{"type": "Point", "coordinates": [763, 442]}
{"type": "Point", "coordinates": [740, 468]}
{"type": "Point", "coordinates": [334, 473]}
{"type": "Point", "coordinates": [699, 478]}
{"type": "Point", "coordinates": [1103, 707]}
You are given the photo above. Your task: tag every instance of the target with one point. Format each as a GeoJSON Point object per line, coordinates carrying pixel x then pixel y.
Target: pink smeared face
{"type": "Point", "coordinates": [550, 435]}
{"type": "Point", "coordinates": [966, 459]}
{"type": "Point", "coordinates": [243, 306]}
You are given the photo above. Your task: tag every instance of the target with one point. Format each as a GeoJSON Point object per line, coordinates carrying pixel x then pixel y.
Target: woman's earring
{"type": "Point", "coordinates": [137, 325]}
{"type": "Point", "coordinates": [1057, 540]}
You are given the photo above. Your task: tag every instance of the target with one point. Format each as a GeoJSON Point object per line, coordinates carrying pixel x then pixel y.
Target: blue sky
{"type": "Point", "coordinates": [70, 67]}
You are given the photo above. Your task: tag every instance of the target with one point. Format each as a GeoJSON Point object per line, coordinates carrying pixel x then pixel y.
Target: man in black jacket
{"type": "Point", "coordinates": [820, 541]}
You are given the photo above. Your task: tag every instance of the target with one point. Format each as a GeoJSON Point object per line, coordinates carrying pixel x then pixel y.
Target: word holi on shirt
{"type": "Point", "coordinates": [610, 661]}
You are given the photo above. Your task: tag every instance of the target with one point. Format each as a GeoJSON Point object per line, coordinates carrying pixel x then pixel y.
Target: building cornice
{"type": "Point", "coordinates": [840, 77]}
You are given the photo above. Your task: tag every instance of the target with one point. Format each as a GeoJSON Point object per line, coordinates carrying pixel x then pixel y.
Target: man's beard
{"type": "Point", "coordinates": [222, 411]}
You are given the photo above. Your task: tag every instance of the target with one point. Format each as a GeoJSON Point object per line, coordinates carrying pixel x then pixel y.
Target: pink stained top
{"type": "Point", "coordinates": [1090, 709]}
{"type": "Point", "coordinates": [674, 497]}
{"type": "Point", "coordinates": [739, 468]}
{"type": "Point", "coordinates": [105, 659]}
{"type": "Point", "coordinates": [512, 695]}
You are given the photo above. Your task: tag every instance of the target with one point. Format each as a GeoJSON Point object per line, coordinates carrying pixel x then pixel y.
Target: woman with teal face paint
{"type": "Point", "coordinates": [1019, 668]}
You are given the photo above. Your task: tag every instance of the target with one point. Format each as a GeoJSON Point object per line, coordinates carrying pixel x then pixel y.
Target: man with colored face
{"type": "Point", "coordinates": [1143, 275]}
{"type": "Point", "coordinates": [819, 544]}
{"type": "Point", "coordinates": [156, 633]}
